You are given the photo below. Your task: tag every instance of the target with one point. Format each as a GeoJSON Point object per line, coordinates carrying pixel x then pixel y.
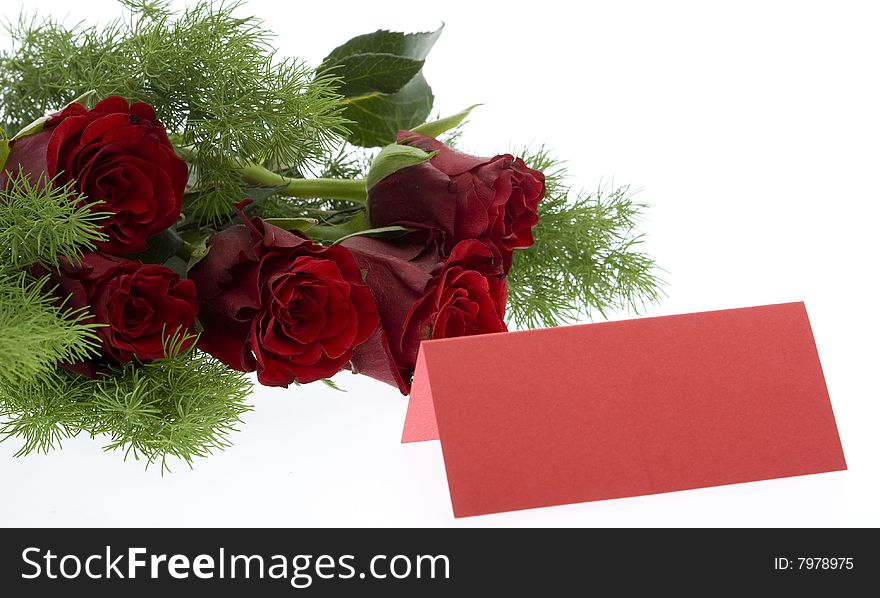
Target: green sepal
{"type": "Point", "coordinates": [356, 226]}
{"type": "Point", "coordinates": [199, 252]}
{"type": "Point", "coordinates": [333, 233]}
{"type": "Point", "coordinates": [331, 384]}
{"type": "Point", "coordinates": [4, 149]}
{"type": "Point", "coordinates": [384, 232]}
{"type": "Point", "coordinates": [300, 224]}
{"type": "Point", "coordinates": [38, 125]}
{"type": "Point", "coordinates": [436, 128]}
{"type": "Point", "coordinates": [195, 245]}
{"type": "Point", "coordinates": [395, 157]}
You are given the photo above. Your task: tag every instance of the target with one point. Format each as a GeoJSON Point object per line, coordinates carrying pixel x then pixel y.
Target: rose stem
{"type": "Point", "coordinates": [350, 189]}
{"type": "Point", "coordinates": [254, 174]}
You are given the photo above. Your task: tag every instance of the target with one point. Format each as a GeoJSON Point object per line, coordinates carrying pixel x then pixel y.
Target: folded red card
{"type": "Point", "coordinates": [597, 411]}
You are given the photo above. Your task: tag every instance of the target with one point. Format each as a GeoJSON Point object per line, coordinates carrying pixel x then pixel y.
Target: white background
{"type": "Point", "coordinates": [751, 127]}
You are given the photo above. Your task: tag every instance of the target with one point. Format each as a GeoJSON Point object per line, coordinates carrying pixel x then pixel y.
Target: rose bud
{"type": "Point", "coordinates": [276, 303]}
{"type": "Point", "coordinates": [140, 306]}
{"type": "Point", "coordinates": [464, 197]}
{"type": "Point", "coordinates": [117, 155]}
{"type": "Point", "coordinates": [464, 295]}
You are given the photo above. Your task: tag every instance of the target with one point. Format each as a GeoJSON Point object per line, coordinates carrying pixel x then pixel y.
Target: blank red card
{"type": "Point", "coordinates": [597, 411]}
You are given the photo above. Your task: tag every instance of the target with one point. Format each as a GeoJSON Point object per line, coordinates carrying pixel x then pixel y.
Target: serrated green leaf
{"type": "Point", "coordinates": [440, 126]}
{"type": "Point", "coordinates": [382, 83]}
{"type": "Point", "coordinates": [409, 45]}
{"type": "Point", "coordinates": [376, 118]}
{"type": "Point", "coordinates": [395, 157]}
{"type": "Point", "coordinates": [367, 73]}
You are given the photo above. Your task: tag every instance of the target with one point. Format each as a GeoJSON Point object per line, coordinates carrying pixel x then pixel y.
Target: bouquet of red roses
{"type": "Point", "coordinates": [172, 229]}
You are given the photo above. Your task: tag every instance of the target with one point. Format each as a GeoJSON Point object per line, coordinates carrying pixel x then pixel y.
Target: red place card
{"type": "Point", "coordinates": [597, 411]}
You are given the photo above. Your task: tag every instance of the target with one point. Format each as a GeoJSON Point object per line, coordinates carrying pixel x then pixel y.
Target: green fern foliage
{"type": "Point", "coordinates": [212, 76]}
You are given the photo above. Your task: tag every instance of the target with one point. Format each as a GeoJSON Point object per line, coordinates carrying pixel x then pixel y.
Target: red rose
{"type": "Point", "coordinates": [141, 305]}
{"type": "Point", "coordinates": [419, 299]}
{"type": "Point", "coordinates": [115, 154]}
{"type": "Point", "coordinates": [462, 196]}
{"type": "Point", "coordinates": [277, 303]}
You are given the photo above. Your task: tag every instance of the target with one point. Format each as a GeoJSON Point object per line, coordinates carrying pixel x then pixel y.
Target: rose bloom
{"type": "Point", "coordinates": [420, 299]}
{"type": "Point", "coordinates": [140, 306]}
{"type": "Point", "coordinates": [464, 197]}
{"type": "Point", "coordinates": [115, 154]}
{"type": "Point", "coordinates": [276, 303]}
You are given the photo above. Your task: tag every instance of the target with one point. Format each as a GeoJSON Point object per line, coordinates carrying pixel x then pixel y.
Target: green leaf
{"type": "Point", "coordinates": [161, 247]}
{"type": "Point", "coordinates": [409, 45]}
{"type": "Point", "coordinates": [300, 224]}
{"type": "Point", "coordinates": [438, 127]}
{"type": "Point", "coordinates": [177, 265]}
{"type": "Point", "coordinates": [395, 157]}
{"type": "Point", "coordinates": [369, 73]}
{"type": "Point", "coordinates": [378, 117]}
{"type": "Point", "coordinates": [382, 83]}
